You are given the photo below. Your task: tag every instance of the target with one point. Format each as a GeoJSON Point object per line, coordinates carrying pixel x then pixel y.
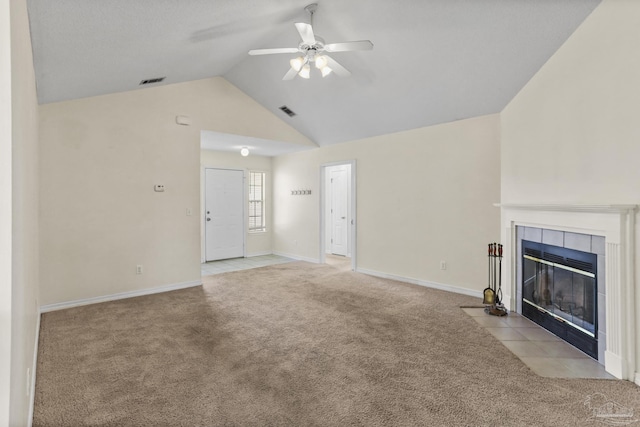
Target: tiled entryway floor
{"type": "Point", "coordinates": [237, 264]}
{"type": "Point", "coordinates": [543, 352]}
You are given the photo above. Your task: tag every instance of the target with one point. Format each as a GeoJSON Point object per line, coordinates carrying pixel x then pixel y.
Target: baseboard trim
{"type": "Point", "coordinates": [262, 253]}
{"type": "Point", "coordinates": [425, 283]}
{"type": "Point", "coordinates": [297, 257]}
{"type": "Point", "coordinates": [122, 295]}
{"type": "Point", "coordinates": [32, 386]}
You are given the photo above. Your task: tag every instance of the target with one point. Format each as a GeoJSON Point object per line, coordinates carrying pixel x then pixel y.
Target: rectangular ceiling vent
{"type": "Point", "coordinates": [287, 111]}
{"type": "Point", "coordinates": [149, 81]}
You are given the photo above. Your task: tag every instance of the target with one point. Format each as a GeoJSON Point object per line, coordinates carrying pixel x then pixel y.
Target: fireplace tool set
{"type": "Point", "coordinates": [492, 295]}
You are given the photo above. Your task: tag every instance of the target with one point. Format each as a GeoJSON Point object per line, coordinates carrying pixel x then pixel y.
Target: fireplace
{"type": "Point", "coordinates": [612, 232]}
{"type": "Point", "coordinates": [559, 292]}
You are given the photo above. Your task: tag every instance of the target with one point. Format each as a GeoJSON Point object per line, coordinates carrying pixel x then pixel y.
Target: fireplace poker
{"type": "Point", "coordinates": [494, 253]}
{"type": "Point", "coordinates": [499, 293]}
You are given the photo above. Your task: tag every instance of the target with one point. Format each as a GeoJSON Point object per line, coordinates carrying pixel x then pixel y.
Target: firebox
{"type": "Point", "coordinates": [559, 292]}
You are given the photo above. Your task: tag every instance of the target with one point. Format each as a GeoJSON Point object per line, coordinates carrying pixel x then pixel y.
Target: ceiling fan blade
{"type": "Point", "coordinates": [274, 50]}
{"type": "Point", "coordinates": [306, 33]}
{"type": "Point", "coordinates": [290, 74]}
{"type": "Point", "coordinates": [347, 46]}
{"type": "Point", "coordinates": [336, 67]}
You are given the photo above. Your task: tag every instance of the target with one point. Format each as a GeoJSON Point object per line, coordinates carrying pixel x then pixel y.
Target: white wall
{"type": "Point", "coordinates": [18, 213]}
{"type": "Point", "coordinates": [257, 243]}
{"type": "Point", "coordinates": [423, 196]}
{"type": "Point", "coordinates": [100, 158]}
{"type": "Point", "coordinates": [572, 134]}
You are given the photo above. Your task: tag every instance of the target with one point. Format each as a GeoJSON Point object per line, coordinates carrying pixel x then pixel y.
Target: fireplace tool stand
{"type": "Point", "coordinates": [492, 295]}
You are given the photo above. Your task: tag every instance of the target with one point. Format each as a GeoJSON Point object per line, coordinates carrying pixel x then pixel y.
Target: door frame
{"type": "Point", "coordinates": [203, 204]}
{"type": "Point", "coordinates": [353, 242]}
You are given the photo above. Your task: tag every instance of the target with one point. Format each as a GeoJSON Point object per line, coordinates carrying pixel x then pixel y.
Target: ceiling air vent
{"type": "Point", "coordinates": [149, 81]}
{"type": "Point", "coordinates": [287, 111]}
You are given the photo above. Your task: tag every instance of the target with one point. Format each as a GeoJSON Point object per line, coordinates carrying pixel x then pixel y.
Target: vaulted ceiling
{"type": "Point", "coordinates": [433, 61]}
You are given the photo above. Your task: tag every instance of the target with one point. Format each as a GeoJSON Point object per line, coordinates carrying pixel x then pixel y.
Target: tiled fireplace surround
{"type": "Point", "coordinates": [578, 242]}
{"type": "Point", "coordinates": [579, 223]}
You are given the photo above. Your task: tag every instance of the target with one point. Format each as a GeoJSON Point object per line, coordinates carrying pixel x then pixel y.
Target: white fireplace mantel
{"type": "Point", "coordinates": [616, 224]}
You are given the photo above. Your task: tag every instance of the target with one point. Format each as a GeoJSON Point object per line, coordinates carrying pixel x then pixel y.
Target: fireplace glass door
{"type": "Point", "coordinates": [559, 293]}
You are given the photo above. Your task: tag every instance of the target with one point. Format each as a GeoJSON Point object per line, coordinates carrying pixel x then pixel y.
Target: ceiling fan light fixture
{"type": "Point", "coordinates": [312, 48]}
{"type": "Point", "coordinates": [305, 72]}
{"type": "Point", "coordinates": [297, 63]}
{"type": "Point", "coordinates": [326, 71]}
{"type": "Point", "coordinates": [321, 62]}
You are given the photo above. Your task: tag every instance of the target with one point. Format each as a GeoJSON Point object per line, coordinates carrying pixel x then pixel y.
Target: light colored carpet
{"type": "Point", "coordinates": [296, 344]}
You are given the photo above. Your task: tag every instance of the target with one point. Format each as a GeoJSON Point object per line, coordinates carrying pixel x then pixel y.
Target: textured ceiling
{"type": "Point", "coordinates": [433, 61]}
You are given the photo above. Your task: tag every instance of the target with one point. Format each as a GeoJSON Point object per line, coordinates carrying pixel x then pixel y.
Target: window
{"type": "Point", "coordinates": [256, 201]}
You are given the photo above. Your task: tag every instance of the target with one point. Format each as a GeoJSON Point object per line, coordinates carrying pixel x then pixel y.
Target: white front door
{"type": "Point", "coordinates": [339, 210]}
{"type": "Point", "coordinates": [224, 214]}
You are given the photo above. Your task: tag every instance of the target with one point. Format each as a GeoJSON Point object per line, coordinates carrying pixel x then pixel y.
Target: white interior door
{"type": "Point", "coordinates": [224, 214]}
{"type": "Point", "coordinates": [339, 181]}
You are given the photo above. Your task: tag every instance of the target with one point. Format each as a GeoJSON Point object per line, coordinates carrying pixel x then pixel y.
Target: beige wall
{"type": "Point", "coordinates": [19, 165]}
{"type": "Point", "coordinates": [572, 135]}
{"type": "Point", "coordinates": [5, 212]}
{"type": "Point", "coordinates": [257, 243]}
{"type": "Point", "coordinates": [100, 158]}
{"type": "Point", "coordinates": [423, 196]}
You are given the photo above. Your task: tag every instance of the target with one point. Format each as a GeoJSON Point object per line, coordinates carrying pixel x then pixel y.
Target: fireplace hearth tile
{"type": "Point", "coordinates": [566, 367]}
{"type": "Point", "coordinates": [602, 320]}
{"type": "Point", "coordinates": [525, 348]}
{"type": "Point", "coordinates": [537, 334]}
{"type": "Point", "coordinates": [520, 322]}
{"type": "Point", "coordinates": [578, 242]}
{"type": "Point", "coordinates": [598, 245]}
{"type": "Point", "coordinates": [602, 263]}
{"type": "Point", "coordinates": [602, 337]}
{"type": "Point", "coordinates": [506, 334]}
{"type": "Point", "coordinates": [489, 321]}
{"type": "Point", "coordinates": [586, 368]}
{"type": "Point", "coordinates": [538, 349]}
{"type": "Point", "coordinates": [533, 234]}
{"type": "Point", "coordinates": [561, 349]}
{"type": "Point", "coordinates": [553, 237]}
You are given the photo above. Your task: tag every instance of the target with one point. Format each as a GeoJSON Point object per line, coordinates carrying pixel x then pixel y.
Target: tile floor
{"type": "Point", "coordinates": [237, 264]}
{"type": "Point", "coordinates": [543, 352]}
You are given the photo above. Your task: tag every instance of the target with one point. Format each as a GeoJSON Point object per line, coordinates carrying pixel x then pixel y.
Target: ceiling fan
{"type": "Point", "coordinates": [313, 50]}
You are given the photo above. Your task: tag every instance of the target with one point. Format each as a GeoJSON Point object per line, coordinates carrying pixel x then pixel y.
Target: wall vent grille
{"type": "Point", "coordinates": [287, 111]}
{"type": "Point", "coordinates": [154, 80]}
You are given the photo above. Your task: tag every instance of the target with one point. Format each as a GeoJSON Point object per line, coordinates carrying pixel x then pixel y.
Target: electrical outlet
{"type": "Point", "coordinates": [158, 188]}
{"type": "Point", "coordinates": [443, 265]}
{"type": "Point", "coordinates": [139, 269]}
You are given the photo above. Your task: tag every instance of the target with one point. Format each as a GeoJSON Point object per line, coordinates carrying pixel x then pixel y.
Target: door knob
{"type": "Point", "coordinates": [208, 219]}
